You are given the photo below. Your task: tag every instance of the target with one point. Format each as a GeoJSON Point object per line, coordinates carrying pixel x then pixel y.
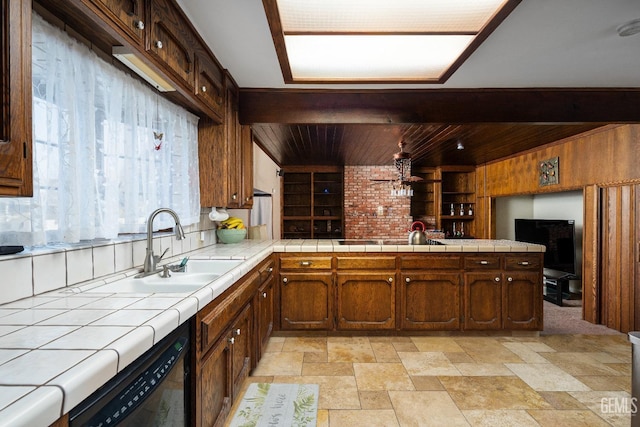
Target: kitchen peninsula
{"type": "Point", "coordinates": [492, 284]}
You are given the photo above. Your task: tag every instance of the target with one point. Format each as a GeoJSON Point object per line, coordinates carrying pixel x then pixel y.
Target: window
{"type": "Point", "coordinates": [108, 150]}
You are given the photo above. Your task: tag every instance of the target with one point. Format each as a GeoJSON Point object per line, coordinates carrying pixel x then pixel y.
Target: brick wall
{"type": "Point", "coordinates": [362, 199]}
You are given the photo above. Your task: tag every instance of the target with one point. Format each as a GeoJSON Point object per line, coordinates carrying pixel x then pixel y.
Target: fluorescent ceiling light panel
{"type": "Point", "coordinates": [365, 41]}
{"type": "Point", "coordinates": [372, 57]}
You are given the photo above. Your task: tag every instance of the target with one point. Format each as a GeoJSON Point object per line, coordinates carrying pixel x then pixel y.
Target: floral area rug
{"type": "Point", "coordinates": [277, 404]}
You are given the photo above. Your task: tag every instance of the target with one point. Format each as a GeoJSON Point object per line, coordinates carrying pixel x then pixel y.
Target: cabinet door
{"type": "Point", "coordinates": [171, 41]}
{"type": "Point", "coordinates": [213, 389]}
{"type": "Point", "coordinates": [430, 301]}
{"type": "Point", "coordinates": [306, 300]}
{"type": "Point", "coordinates": [241, 337]}
{"type": "Point", "coordinates": [264, 318]}
{"type": "Point", "coordinates": [232, 139]}
{"type": "Point", "coordinates": [366, 300]}
{"type": "Point", "coordinates": [522, 300]}
{"type": "Point", "coordinates": [126, 16]}
{"type": "Point", "coordinates": [483, 300]}
{"type": "Point", "coordinates": [245, 168]}
{"type": "Point", "coordinates": [209, 87]}
{"type": "Point", "coordinates": [15, 90]}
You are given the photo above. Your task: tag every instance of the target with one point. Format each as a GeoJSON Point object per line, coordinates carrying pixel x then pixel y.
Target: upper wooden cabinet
{"type": "Point", "coordinates": [159, 34]}
{"type": "Point", "coordinates": [170, 40]}
{"type": "Point", "coordinates": [15, 108]}
{"type": "Point", "coordinates": [209, 87]}
{"type": "Point", "coordinates": [126, 15]}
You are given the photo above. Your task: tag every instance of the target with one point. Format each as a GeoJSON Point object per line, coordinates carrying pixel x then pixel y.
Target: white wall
{"type": "Point", "coordinates": [563, 205]}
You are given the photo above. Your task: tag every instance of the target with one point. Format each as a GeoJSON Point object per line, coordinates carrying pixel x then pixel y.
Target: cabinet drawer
{"type": "Point", "coordinates": [522, 262]}
{"type": "Point", "coordinates": [216, 320]}
{"type": "Point", "coordinates": [366, 263]}
{"type": "Point", "coordinates": [482, 262]}
{"type": "Point", "coordinates": [431, 262]}
{"type": "Point", "coordinates": [305, 263]}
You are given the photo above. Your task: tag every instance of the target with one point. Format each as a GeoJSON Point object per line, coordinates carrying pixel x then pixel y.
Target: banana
{"type": "Point", "coordinates": [232, 222]}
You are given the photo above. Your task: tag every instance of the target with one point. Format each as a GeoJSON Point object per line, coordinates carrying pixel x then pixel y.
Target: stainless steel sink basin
{"type": "Point", "coordinates": [198, 274]}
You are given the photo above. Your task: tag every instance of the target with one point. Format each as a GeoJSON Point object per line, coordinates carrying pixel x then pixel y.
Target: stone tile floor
{"type": "Point", "coordinates": [546, 380]}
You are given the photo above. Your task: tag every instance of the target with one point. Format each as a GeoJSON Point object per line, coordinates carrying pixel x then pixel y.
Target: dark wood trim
{"type": "Point", "coordinates": [567, 105]}
{"type": "Point", "coordinates": [278, 34]}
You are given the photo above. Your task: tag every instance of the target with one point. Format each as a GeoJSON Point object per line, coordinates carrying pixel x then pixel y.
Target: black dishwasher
{"type": "Point", "coordinates": [152, 391]}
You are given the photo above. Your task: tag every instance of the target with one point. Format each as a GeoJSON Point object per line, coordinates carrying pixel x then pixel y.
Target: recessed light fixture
{"type": "Point", "coordinates": [630, 28]}
{"type": "Point", "coordinates": [460, 145]}
{"type": "Point", "coordinates": [374, 41]}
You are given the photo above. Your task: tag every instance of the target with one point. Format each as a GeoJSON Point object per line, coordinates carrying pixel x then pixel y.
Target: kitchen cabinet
{"type": "Point", "coordinates": [430, 292]}
{"type": "Point", "coordinates": [522, 292]}
{"type": "Point", "coordinates": [126, 16]}
{"type": "Point", "coordinates": [482, 292]}
{"type": "Point", "coordinates": [213, 397]}
{"type": "Point", "coordinates": [430, 300]}
{"type": "Point", "coordinates": [225, 345]}
{"type": "Point", "coordinates": [209, 86]}
{"type": "Point", "coordinates": [225, 155]}
{"type": "Point", "coordinates": [482, 301]}
{"type": "Point", "coordinates": [306, 293]}
{"type": "Point", "coordinates": [366, 293]}
{"type": "Point", "coordinates": [171, 42]}
{"type": "Point", "coordinates": [239, 143]}
{"type": "Point", "coordinates": [241, 348]}
{"type": "Point", "coordinates": [264, 301]}
{"type": "Point", "coordinates": [16, 177]}
{"type": "Point", "coordinates": [312, 203]}
{"type": "Point", "coordinates": [410, 292]}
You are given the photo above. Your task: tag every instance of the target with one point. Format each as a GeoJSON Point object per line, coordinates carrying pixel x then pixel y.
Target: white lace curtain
{"type": "Point", "coordinates": [100, 164]}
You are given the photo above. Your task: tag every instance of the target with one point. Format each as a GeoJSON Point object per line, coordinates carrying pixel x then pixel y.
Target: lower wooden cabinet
{"type": "Point", "coordinates": [226, 343]}
{"type": "Point", "coordinates": [306, 300]}
{"type": "Point", "coordinates": [241, 341]}
{"type": "Point", "coordinates": [522, 300]}
{"type": "Point", "coordinates": [214, 391]}
{"type": "Point", "coordinates": [430, 301]}
{"type": "Point", "coordinates": [263, 304]}
{"type": "Point", "coordinates": [366, 300]}
{"type": "Point", "coordinates": [482, 301]}
{"type": "Point", "coordinates": [437, 292]}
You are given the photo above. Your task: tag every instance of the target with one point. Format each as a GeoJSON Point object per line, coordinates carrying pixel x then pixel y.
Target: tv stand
{"type": "Point", "coordinates": [556, 286]}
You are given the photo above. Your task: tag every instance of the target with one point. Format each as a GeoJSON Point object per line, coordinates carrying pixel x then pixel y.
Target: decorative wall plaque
{"type": "Point", "coordinates": [549, 171]}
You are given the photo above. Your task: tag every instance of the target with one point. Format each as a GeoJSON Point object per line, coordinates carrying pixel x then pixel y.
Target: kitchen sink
{"type": "Point", "coordinates": [198, 274]}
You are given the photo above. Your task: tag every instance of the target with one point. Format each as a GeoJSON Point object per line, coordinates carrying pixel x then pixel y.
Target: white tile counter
{"type": "Point", "coordinates": [58, 347]}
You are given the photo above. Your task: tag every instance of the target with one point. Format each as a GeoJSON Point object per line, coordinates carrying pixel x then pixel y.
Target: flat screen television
{"type": "Point", "coordinates": [559, 237]}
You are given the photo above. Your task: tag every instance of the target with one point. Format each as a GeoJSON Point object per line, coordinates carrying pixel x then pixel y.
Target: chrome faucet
{"type": "Point", "coordinates": [151, 260]}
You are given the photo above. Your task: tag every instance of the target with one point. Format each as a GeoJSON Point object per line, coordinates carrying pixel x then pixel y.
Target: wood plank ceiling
{"type": "Point", "coordinates": [429, 144]}
{"type": "Point", "coordinates": [356, 128]}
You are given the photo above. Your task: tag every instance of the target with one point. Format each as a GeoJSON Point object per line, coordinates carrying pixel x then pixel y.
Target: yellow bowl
{"type": "Point", "coordinates": [231, 235]}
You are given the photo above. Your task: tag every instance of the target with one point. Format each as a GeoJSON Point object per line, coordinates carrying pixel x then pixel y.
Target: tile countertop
{"type": "Point", "coordinates": [59, 347]}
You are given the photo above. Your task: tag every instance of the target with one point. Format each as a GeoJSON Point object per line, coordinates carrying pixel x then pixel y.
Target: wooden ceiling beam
{"type": "Point", "coordinates": [287, 106]}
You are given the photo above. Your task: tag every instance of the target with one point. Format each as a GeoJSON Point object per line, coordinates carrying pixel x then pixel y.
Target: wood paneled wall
{"type": "Point", "coordinates": [606, 155]}
{"type": "Point", "coordinates": [603, 163]}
